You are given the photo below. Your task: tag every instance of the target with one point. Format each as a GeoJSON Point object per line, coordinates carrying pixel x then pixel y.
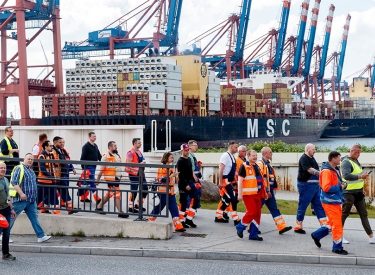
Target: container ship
{"type": "Point", "coordinates": [138, 91]}
{"type": "Point", "coordinates": [353, 117]}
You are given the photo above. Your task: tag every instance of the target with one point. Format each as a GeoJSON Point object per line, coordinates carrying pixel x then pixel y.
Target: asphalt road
{"type": "Point", "coordinates": [42, 263]}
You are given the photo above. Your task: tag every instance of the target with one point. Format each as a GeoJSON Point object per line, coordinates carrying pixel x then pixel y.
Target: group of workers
{"type": "Point", "coordinates": [332, 190]}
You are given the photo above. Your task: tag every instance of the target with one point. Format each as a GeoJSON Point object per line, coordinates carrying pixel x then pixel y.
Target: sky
{"type": "Point", "coordinates": [78, 18]}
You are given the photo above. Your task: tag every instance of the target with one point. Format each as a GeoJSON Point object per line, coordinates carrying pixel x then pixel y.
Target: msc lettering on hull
{"type": "Point", "coordinates": [253, 128]}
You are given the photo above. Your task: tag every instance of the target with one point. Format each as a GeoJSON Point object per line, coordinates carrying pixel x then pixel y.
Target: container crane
{"type": "Point", "coordinates": [327, 37]}
{"type": "Point", "coordinates": [235, 28]}
{"type": "Point", "coordinates": [301, 35]}
{"type": "Point", "coordinates": [282, 35]}
{"type": "Point", "coordinates": [343, 49]}
{"type": "Point", "coordinates": [18, 17]}
{"type": "Point", "coordinates": [310, 47]}
{"type": "Point", "coordinates": [115, 40]}
{"type": "Point", "coordinates": [338, 61]}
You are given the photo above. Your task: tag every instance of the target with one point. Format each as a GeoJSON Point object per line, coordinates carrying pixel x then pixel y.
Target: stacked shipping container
{"type": "Point", "coordinates": [132, 86]}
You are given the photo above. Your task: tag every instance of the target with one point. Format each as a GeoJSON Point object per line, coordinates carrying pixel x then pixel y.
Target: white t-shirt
{"type": "Point", "coordinates": [36, 150]}
{"type": "Point", "coordinates": [227, 159]}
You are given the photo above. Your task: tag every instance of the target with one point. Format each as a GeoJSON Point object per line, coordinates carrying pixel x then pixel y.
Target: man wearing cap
{"type": "Point", "coordinates": [186, 186]}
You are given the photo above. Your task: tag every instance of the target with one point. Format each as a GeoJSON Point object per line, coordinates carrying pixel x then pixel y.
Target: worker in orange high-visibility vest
{"type": "Point", "coordinates": [47, 196]}
{"type": "Point", "coordinates": [251, 190]}
{"type": "Point", "coordinates": [134, 155]}
{"type": "Point", "coordinates": [162, 193]}
{"type": "Point", "coordinates": [112, 175]}
{"type": "Point", "coordinates": [332, 196]}
{"type": "Point", "coordinates": [269, 177]}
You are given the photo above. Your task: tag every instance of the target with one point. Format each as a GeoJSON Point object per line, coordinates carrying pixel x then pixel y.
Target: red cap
{"type": "Point", "coordinates": [184, 147]}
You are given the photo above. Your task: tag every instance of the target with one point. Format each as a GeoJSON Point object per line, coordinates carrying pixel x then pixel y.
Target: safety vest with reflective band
{"type": "Point", "coordinates": [269, 178]}
{"type": "Point", "coordinates": [239, 162]}
{"type": "Point", "coordinates": [9, 148]}
{"type": "Point", "coordinates": [57, 166]}
{"type": "Point", "coordinates": [251, 184]}
{"type": "Point", "coordinates": [49, 167]}
{"type": "Point", "coordinates": [12, 191]}
{"type": "Point", "coordinates": [354, 184]}
{"type": "Point", "coordinates": [109, 172]}
{"type": "Point", "coordinates": [133, 171]}
{"type": "Point", "coordinates": [162, 177]}
{"type": "Point", "coordinates": [40, 148]}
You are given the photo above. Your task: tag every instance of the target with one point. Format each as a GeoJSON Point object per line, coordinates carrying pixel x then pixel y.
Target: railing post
{"type": "Point", "coordinates": [140, 195]}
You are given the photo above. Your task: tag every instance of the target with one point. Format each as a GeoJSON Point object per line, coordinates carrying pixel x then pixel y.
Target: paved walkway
{"type": "Point", "coordinates": [219, 242]}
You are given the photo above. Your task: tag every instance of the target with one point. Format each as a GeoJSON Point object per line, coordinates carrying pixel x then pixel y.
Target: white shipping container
{"type": "Point", "coordinates": [172, 76]}
{"type": "Point", "coordinates": [157, 104]}
{"type": "Point", "coordinates": [214, 107]}
{"type": "Point", "coordinates": [214, 86]}
{"type": "Point", "coordinates": [173, 90]}
{"type": "Point", "coordinates": [157, 89]}
{"type": "Point", "coordinates": [156, 96]}
{"type": "Point", "coordinates": [288, 106]}
{"type": "Point", "coordinates": [214, 93]}
{"type": "Point", "coordinates": [171, 68]}
{"type": "Point", "coordinates": [172, 83]}
{"type": "Point", "coordinates": [174, 98]}
{"type": "Point", "coordinates": [174, 105]}
{"type": "Point", "coordinates": [213, 100]}
{"type": "Point", "coordinates": [164, 60]}
{"type": "Point", "coordinates": [211, 73]}
{"type": "Point", "coordinates": [288, 111]}
{"type": "Point", "coordinates": [213, 79]}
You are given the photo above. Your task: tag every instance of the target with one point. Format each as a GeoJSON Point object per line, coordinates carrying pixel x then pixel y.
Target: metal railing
{"type": "Point", "coordinates": [145, 187]}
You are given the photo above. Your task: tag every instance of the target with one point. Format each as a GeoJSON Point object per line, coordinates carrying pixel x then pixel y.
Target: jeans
{"type": "Point", "coordinates": [92, 169]}
{"type": "Point", "coordinates": [163, 202]}
{"type": "Point", "coordinates": [6, 231]}
{"type": "Point", "coordinates": [32, 214]}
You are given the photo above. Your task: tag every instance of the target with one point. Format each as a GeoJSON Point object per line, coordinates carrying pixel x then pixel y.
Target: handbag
{"type": "Point", "coordinates": [3, 222]}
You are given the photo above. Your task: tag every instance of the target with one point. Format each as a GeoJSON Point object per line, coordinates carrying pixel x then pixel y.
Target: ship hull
{"type": "Point", "coordinates": [209, 131]}
{"type": "Point", "coordinates": [350, 128]}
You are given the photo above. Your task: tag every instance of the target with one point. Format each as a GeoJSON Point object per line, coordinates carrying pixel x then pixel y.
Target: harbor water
{"type": "Point", "coordinates": [333, 143]}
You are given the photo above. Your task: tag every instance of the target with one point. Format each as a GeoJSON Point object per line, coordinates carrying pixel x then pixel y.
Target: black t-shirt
{"type": "Point", "coordinates": [242, 170]}
{"type": "Point", "coordinates": [305, 162]}
{"type": "Point", "coordinates": [185, 176]}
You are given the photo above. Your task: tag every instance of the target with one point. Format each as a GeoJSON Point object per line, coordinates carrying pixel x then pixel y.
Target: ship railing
{"type": "Point", "coordinates": [154, 136]}
{"type": "Point", "coordinates": [81, 191]}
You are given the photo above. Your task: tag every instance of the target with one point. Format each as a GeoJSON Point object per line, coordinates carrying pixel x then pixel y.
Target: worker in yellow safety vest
{"type": "Point", "coordinates": [9, 149]}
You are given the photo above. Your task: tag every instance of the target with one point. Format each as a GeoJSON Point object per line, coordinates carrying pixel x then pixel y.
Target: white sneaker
{"type": "Point", "coordinates": [371, 240]}
{"type": "Point", "coordinates": [344, 241]}
{"type": "Point", "coordinates": [1, 238]}
{"type": "Point", "coordinates": [44, 239]}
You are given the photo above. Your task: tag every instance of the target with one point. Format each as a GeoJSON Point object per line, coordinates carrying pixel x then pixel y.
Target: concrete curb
{"type": "Point", "coordinates": [208, 255]}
